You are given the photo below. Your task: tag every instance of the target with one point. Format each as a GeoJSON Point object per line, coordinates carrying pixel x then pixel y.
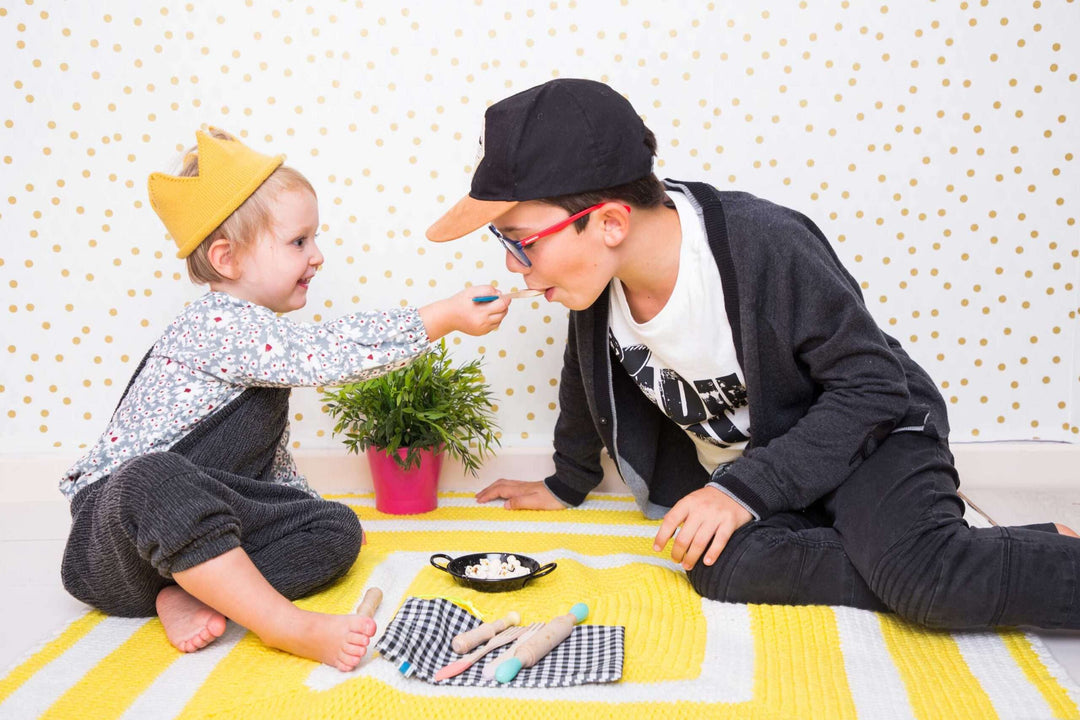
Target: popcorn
{"type": "Point", "coordinates": [488, 569]}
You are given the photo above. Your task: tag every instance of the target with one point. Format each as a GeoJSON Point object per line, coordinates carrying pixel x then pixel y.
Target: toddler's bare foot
{"type": "Point", "coordinates": [1064, 530]}
{"type": "Point", "coordinates": [336, 640]}
{"type": "Point", "coordinates": [189, 624]}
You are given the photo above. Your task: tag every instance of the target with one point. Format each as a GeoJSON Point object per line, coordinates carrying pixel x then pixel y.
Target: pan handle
{"type": "Point", "coordinates": [439, 556]}
{"type": "Point", "coordinates": [543, 570]}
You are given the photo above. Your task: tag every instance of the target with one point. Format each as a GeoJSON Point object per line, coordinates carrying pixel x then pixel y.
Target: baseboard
{"type": "Point", "coordinates": [1045, 465]}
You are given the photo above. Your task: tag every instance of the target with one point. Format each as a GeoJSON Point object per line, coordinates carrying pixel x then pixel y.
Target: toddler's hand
{"type": "Point", "coordinates": [459, 312]}
{"type": "Point", "coordinates": [479, 318]}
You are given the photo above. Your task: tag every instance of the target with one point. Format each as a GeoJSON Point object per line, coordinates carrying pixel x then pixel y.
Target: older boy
{"type": "Point", "coordinates": [722, 355]}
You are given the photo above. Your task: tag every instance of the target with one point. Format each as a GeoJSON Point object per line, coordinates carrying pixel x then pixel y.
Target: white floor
{"type": "Point", "coordinates": [34, 605]}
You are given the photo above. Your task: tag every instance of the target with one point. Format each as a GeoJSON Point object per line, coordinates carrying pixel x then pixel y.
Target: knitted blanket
{"type": "Point", "coordinates": [685, 657]}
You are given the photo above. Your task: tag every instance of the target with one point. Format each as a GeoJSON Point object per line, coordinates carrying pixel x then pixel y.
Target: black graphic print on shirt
{"type": "Point", "coordinates": [701, 407]}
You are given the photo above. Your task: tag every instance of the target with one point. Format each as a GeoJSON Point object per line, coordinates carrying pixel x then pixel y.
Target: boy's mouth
{"type": "Point", "coordinates": [546, 291]}
{"type": "Point", "coordinates": [304, 282]}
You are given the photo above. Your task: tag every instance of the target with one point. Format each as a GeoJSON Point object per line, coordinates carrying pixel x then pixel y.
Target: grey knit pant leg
{"type": "Point", "coordinates": [159, 514]}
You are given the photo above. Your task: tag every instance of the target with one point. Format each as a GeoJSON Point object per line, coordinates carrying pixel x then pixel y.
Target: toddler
{"type": "Point", "coordinates": [190, 505]}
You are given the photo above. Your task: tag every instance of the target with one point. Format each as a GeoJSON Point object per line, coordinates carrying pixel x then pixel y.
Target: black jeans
{"type": "Point", "coordinates": [893, 537]}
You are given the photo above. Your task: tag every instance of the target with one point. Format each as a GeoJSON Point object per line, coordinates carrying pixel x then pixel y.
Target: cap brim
{"type": "Point", "coordinates": [467, 215]}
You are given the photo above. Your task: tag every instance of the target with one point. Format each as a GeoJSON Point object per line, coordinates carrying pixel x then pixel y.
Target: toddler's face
{"type": "Point", "coordinates": [277, 268]}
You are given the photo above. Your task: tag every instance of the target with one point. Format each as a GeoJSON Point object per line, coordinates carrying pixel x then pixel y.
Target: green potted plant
{"type": "Point", "coordinates": [406, 421]}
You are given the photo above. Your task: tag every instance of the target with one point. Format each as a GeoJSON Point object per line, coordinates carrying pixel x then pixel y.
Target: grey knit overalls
{"type": "Point", "coordinates": [166, 512]}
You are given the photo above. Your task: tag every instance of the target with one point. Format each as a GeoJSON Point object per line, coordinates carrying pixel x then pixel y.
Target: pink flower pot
{"type": "Point", "coordinates": [405, 492]}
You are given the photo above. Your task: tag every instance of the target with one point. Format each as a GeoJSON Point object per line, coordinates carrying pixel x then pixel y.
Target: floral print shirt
{"type": "Point", "coordinates": [221, 345]}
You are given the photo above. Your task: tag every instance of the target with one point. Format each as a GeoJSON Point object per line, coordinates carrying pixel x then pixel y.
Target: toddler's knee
{"type": "Point", "coordinates": [146, 487]}
{"type": "Point", "coordinates": [344, 535]}
{"type": "Point", "coordinates": [143, 474]}
{"type": "Point", "coordinates": [74, 584]}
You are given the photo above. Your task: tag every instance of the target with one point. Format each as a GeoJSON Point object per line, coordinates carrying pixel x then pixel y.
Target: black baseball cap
{"type": "Point", "coordinates": [563, 137]}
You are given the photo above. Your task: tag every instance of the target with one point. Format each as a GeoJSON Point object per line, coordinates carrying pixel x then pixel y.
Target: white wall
{"type": "Point", "coordinates": [932, 141]}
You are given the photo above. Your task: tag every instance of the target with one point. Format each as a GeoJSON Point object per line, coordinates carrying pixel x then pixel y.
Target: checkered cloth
{"type": "Point", "coordinates": [418, 639]}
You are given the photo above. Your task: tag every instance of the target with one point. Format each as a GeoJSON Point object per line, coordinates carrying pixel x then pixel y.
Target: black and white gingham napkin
{"type": "Point", "coordinates": [418, 639]}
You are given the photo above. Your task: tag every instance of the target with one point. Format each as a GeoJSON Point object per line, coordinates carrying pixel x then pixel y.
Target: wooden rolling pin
{"type": "Point", "coordinates": [466, 641]}
{"type": "Point", "coordinates": [532, 650]}
{"type": "Point", "coordinates": [370, 603]}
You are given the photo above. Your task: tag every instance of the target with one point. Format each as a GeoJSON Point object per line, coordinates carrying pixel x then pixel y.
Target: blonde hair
{"type": "Point", "coordinates": [254, 217]}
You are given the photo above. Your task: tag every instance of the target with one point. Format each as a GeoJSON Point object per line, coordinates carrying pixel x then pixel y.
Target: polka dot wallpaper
{"type": "Point", "coordinates": [934, 142]}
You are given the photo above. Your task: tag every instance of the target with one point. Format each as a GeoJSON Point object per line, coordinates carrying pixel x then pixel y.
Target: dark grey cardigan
{"type": "Point", "coordinates": [824, 384]}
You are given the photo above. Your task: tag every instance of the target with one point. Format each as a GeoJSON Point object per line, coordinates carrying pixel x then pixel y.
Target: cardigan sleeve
{"type": "Point", "coordinates": [577, 443]}
{"type": "Point", "coordinates": [810, 322]}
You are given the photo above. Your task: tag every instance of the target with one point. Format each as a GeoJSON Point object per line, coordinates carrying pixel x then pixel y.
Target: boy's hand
{"type": "Point", "coordinates": [520, 495]}
{"type": "Point", "coordinates": [707, 518]}
{"type": "Point", "coordinates": [459, 312]}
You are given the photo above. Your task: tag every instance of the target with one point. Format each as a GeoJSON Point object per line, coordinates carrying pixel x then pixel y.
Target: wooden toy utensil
{"type": "Point", "coordinates": [459, 666]}
{"type": "Point", "coordinates": [370, 603]}
{"type": "Point", "coordinates": [527, 292]}
{"type": "Point", "coordinates": [529, 652]}
{"type": "Point", "coordinates": [493, 664]}
{"type": "Point", "coordinates": [466, 641]}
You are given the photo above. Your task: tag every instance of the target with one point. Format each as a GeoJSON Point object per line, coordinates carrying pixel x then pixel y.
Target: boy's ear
{"type": "Point", "coordinates": [614, 218]}
{"type": "Point", "coordinates": [222, 256]}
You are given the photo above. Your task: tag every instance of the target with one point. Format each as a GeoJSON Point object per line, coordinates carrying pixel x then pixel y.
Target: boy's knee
{"type": "Point", "coordinates": [740, 583]}
{"type": "Point", "coordinates": [710, 581]}
{"type": "Point", "coordinates": [922, 604]}
{"type": "Point", "coordinates": [920, 582]}
{"type": "Point", "coordinates": [742, 573]}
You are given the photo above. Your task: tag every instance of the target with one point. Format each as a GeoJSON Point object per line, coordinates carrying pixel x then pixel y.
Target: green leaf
{"type": "Point", "coordinates": [426, 404]}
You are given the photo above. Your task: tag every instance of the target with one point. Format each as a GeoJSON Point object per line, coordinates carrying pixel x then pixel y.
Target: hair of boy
{"type": "Point", "coordinates": [253, 218]}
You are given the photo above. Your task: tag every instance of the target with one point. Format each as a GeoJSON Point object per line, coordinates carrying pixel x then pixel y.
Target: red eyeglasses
{"type": "Point", "coordinates": [517, 247]}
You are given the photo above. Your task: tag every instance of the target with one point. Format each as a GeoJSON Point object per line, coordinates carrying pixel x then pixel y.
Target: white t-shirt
{"type": "Point", "coordinates": [684, 359]}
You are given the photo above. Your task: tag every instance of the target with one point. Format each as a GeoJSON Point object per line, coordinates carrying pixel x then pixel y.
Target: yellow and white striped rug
{"type": "Point", "coordinates": [685, 657]}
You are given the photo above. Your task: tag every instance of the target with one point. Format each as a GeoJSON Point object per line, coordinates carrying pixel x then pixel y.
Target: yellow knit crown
{"type": "Point", "coordinates": [191, 207]}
